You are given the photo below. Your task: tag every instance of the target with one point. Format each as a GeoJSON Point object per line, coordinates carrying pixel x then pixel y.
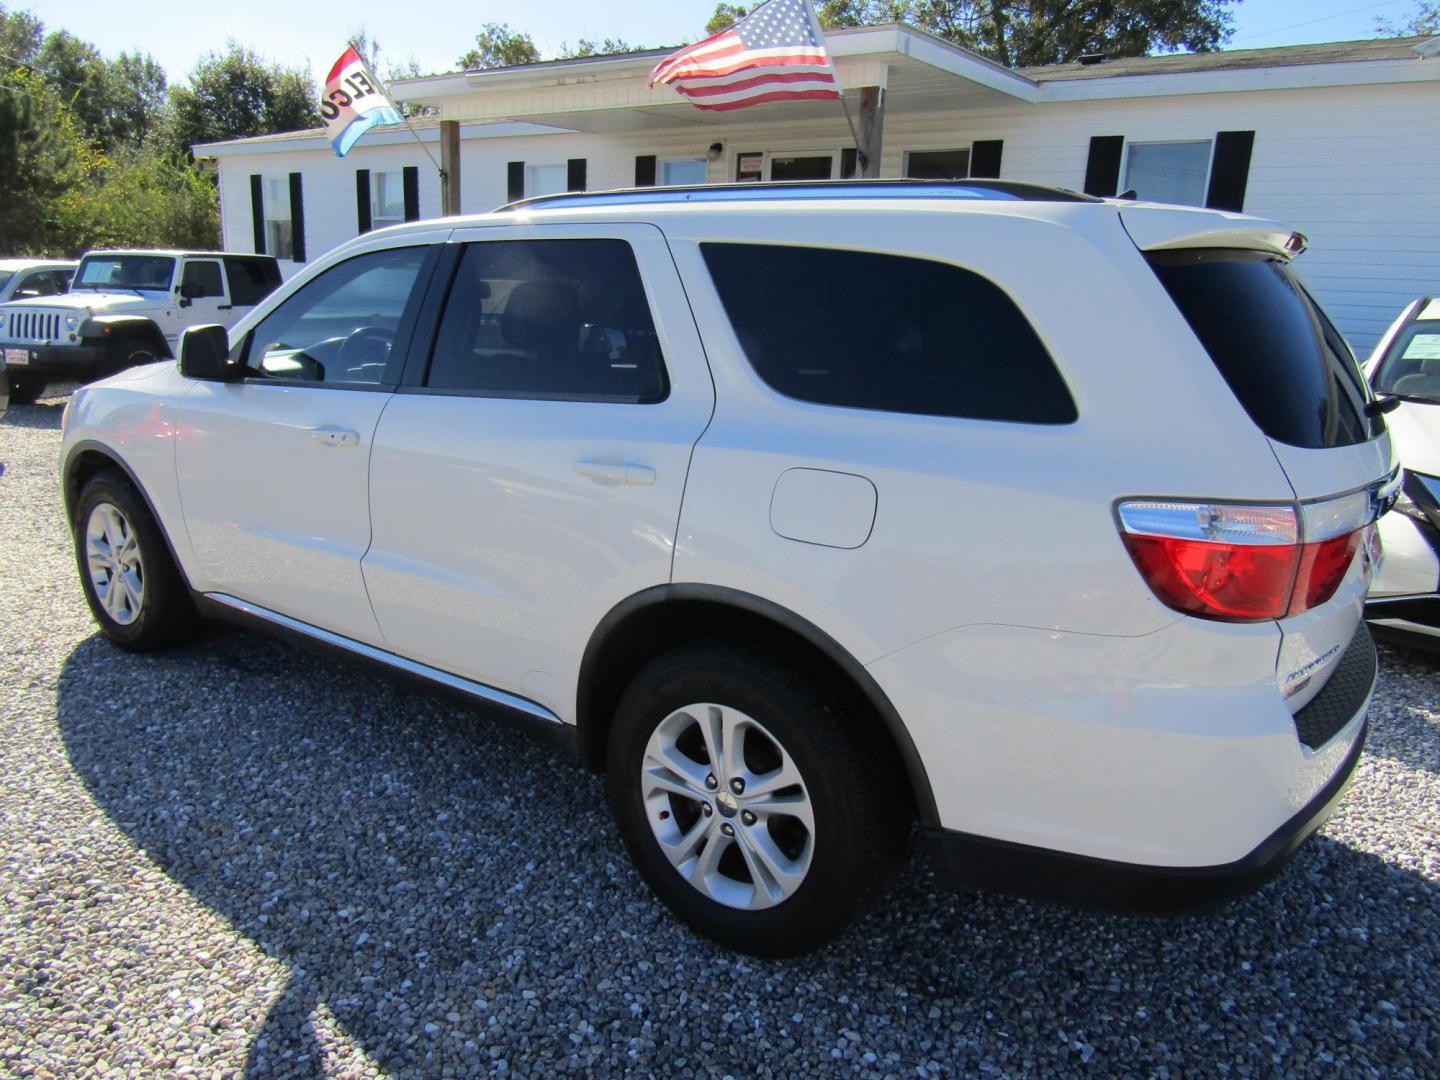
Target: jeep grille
{"type": "Point", "coordinates": [34, 326]}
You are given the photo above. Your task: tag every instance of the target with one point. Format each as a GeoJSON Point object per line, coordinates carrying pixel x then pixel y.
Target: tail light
{"type": "Point", "coordinates": [1237, 563]}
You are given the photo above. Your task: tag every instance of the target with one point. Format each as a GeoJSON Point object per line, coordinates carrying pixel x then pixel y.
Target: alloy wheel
{"type": "Point", "coordinates": [112, 557]}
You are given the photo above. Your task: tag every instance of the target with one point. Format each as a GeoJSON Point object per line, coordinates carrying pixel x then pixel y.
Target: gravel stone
{"type": "Point", "coordinates": [239, 858]}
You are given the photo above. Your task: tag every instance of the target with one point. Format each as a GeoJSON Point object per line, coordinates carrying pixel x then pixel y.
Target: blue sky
{"type": "Point", "coordinates": [435, 32]}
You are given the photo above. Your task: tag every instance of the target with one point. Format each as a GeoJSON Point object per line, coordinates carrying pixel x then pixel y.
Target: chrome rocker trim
{"type": "Point", "coordinates": [232, 608]}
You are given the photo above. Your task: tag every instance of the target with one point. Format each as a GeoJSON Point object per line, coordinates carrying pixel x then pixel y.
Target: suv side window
{"type": "Point", "coordinates": [42, 283]}
{"type": "Point", "coordinates": [886, 332]}
{"type": "Point", "coordinates": [206, 274]}
{"type": "Point", "coordinates": [554, 319]}
{"type": "Point", "coordinates": [340, 327]}
{"type": "Point", "coordinates": [251, 280]}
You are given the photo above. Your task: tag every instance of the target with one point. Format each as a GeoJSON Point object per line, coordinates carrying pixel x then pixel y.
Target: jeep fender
{"type": "Point", "coordinates": [103, 329]}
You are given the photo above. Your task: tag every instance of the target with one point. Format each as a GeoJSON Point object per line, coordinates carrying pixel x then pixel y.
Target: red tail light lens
{"type": "Point", "coordinates": [1241, 563]}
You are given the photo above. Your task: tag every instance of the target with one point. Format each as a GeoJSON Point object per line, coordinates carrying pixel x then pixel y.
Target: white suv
{"type": "Point", "coordinates": [804, 513]}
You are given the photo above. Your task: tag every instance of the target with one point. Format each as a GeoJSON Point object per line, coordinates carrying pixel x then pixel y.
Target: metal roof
{"type": "Point", "coordinates": [968, 190]}
{"type": "Point", "coordinates": [1329, 52]}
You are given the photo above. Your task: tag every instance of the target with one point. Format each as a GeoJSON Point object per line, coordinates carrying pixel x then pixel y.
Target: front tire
{"type": "Point", "coordinates": [129, 353]}
{"type": "Point", "coordinates": [25, 389]}
{"type": "Point", "coordinates": [131, 582]}
{"type": "Point", "coordinates": [756, 810]}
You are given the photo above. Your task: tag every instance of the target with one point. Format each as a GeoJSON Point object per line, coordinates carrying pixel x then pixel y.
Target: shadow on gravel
{"type": "Point", "coordinates": [45, 416]}
{"type": "Point", "coordinates": [453, 892]}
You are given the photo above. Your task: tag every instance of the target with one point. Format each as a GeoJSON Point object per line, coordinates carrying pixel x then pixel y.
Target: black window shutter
{"type": "Point", "coordinates": [362, 200]}
{"type": "Point", "coordinates": [412, 192]}
{"type": "Point", "coordinates": [297, 216]}
{"type": "Point", "coordinates": [257, 210]}
{"type": "Point", "coordinates": [575, 174]}
{"type": "Point", "coordinates": [1102, 170]}
{"type": "Point", "coordinates": [1230, 170]}
{"type": "Point", "coordinates": [985, 158]}
{"type": "Point", "coordinates": [515, 181]}
{"type": "Point", "coordinates": [645, 171]}
{"type": "Point", "coordinates": [848, 160]}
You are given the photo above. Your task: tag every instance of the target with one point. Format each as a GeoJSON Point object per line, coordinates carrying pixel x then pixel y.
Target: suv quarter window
{"type": "Point", "coordinates": [886, 332]}
{"type": "Point", "coordinates": [340, 328]}
{"type": "Point", "coordinates": [564, 319]}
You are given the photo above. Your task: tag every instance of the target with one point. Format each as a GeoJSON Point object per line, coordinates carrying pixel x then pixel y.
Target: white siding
{"type": "Point", "coordinates": [1351, 167]}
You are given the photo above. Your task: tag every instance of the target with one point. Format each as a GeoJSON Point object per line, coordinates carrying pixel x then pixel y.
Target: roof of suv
{"type": "Point", "coordinates": [810, 190]}
{"type": "Point", "coordinates": [176, 253]}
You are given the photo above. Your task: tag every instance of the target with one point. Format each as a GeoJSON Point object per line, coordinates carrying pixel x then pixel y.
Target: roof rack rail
{"type": "Point", "coordinates": [968, 190]}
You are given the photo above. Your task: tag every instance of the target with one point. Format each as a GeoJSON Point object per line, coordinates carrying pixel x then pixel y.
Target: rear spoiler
{"type": "Point", "coordinates": [1157, 227]}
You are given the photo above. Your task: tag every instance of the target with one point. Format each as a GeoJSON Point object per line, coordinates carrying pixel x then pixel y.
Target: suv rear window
{"type": "Point", "coordinates": [871, 331]}
{"type": "Point", "coordinates": [1283, 358]}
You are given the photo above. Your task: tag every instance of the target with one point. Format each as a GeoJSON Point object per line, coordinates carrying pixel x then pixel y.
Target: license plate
{"type": "Point", "coordinates": [17, 357]}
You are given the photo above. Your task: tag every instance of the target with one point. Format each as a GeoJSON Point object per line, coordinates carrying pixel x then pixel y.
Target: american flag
{"type": "Point", "coordinates": [776, 53]}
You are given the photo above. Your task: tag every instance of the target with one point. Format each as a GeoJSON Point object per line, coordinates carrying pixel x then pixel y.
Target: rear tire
{"type": "Point", "coordinates": [25, 389]}
{"type": "Point", "coordinates": [135, 591]}
{"type": "Point", "coordinates": [785, 861]}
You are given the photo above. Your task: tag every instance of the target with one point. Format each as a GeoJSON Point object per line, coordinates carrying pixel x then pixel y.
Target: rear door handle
{"type": "Point", "coordinates": [334, 436]}
{"type": "Point", "coordinates": [611, 472]}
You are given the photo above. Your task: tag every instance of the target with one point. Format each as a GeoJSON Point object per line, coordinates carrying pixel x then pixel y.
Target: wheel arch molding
{"type": "Point", "coordinates": [647, 623]}
{"type": "Point", "coordinates": [106, 330]}
{"type": "Point", "coordinates": [88, 457]}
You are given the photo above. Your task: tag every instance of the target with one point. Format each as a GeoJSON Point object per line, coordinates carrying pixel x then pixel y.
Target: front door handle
{"type": "Point", "coordinates": [616, 472]}
{"type": "Point", "coordinates": [334, 436]}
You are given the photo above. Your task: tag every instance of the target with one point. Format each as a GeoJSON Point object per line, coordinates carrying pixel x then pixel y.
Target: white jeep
{"type": "Point", "coordinates": [126, 308]}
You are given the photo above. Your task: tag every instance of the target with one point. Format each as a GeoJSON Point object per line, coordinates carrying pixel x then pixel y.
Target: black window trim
{"type": "Point", "coordinates": [764, 385]}
{"type": "Point", "coordinates": [427, 332]}
{"type": "Point", "coordinates": [404, 333]}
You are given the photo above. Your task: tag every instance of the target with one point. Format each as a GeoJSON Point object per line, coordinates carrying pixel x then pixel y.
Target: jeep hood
{"type": "Point", "coordinates": [94, 303]}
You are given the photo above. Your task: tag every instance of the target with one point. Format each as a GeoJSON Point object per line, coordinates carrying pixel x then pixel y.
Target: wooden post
{"type": "Point", "coordinates": [872, 128]}
{"type": "Point", "coordinates": [449, 167]}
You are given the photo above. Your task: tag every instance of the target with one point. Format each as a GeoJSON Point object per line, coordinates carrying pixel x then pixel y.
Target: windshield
{"type": "Point", "coordinates": [124, 272]}
{"type": "Point", "coordinates": [1412, 366]}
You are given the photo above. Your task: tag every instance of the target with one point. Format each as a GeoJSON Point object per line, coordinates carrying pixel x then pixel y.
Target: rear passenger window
{"type": "Point", "coordinates": [564, 319]}
{"type": "Point", "coordinates": [251, 280]}
{"type": "Point", "coordinates": [886, 332]}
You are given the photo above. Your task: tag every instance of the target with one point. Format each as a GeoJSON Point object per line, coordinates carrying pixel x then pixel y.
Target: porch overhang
{"type": "Point", "coordinates": [918, 72]}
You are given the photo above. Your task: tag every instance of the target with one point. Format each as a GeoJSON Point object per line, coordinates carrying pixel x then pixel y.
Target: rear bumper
{"type": "Point", "coordinates": [976, 862]}
{"type": "Point", "coordinates": [84, 362]}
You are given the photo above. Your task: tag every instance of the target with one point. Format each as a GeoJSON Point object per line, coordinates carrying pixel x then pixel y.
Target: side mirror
{"type": "Point", "coordinates": [205, 354]}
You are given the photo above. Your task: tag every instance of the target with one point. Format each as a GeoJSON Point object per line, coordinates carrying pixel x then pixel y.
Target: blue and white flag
{"type": "Point", "coordinates": [354, 102]}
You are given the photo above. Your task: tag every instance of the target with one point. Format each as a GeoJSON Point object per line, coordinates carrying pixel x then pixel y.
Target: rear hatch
{"type": "Point", "coordinates": [1294, 374]}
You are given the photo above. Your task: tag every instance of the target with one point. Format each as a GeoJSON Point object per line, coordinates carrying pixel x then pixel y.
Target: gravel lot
{"type": "Point", "coordinates": [236, 858]}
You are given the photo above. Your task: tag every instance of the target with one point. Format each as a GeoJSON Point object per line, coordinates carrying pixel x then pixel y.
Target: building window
{"type": "Point", "coordinates": [1168, 172]}
{"type": "Point", "coordinates": [387, 199]}
{"type": "Point", "coordinates": [938, 164]}
{"type": "Point", "coordinates": [546, 180]}
{"type": "Point", "coordinates": [683, 171]}
{"type": "Point", "coordinates": [279, 230]}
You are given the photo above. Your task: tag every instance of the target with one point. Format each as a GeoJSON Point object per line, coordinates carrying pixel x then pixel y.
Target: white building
{"type": "Point", "coordinates": [1341, 141]}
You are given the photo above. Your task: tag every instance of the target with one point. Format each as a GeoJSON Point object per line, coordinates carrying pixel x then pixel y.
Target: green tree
{"type": "Point", "coordinates": [1426, 20]}
{"type": "Point", "coordinates": [726, 16]}
{"type": "Point", "coordinates": [235, 94]}
{"type": "Point", "coordinates": [20, 37]}
{"type": "Point", "coordinates": [44, 153]}
{"type": "Point", "coordinates": [585, 47]}
{"type": "Point", "coordinates": [496, 45]}
{"type": "Point", "coordinates": [138, 99]}
{"type": "Point", "coordinates": [137, 197]}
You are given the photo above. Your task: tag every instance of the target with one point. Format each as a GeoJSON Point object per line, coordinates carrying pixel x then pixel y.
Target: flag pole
{"type": "Point", "coordinates": [860, 156]}
{"type": "Point", "coordinates": [385, 87]}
